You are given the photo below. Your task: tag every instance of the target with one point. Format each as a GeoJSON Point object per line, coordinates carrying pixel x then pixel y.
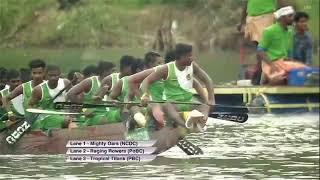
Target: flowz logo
{"type": "Point", "coordinates": [13, 137]}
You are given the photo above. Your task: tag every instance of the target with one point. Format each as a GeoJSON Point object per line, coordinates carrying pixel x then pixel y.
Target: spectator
{"type": "Point", "coordinates": [302, 42]}
{"type": "Point", "coordinates": [275, 47]}
{"type": "Point", "coordinates": [256, 16]}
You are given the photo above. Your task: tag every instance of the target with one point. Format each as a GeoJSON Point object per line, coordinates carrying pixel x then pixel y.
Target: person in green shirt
{"type": "Point", "coordinates": [126, 69]}
{"type": "Point", "coordinates": [127, 65]}
{"type": "Point", "coordinates": [178, 77]}
{"type": "Point", "coordinates": [86, 92]}
{"type": "Point", "coordinates": [3, 78]}
{"type": "Point", "coordinates": [275, 47]}
{"type": "Point", "coordinates": [37, 67]}
{"type": "Point", "coordinates": [256, 16]}
{"type": "Point", "coordinates": [127, 88]}
{"type": "Point", "coordinates": [16, 108]}
{"type": "Point", "coordinates": [45, 95]}
{"type": "Point", "coordinates": [123, 91]}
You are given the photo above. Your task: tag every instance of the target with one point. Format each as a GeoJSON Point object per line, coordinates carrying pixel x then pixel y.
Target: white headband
{"type": "Point", "coordinates": [283, 12]}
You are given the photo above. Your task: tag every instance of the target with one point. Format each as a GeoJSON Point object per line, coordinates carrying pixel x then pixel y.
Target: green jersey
{"type": "Point", "coordinates": [95, 85]}
{"type": "Point", "coordinates": [157, 89]}
{"type": "Point", "coordinates": [114, 113]}
{"type": "Point", "coordinates": [260, 7]}
{"type": "Point", "coordinates": [88, 98]}
{"type": "Point", "coordinates": [178, 85]}
{"type": "Point", "coordinates": [114, 79]}
{"type": "Point", "coordinates": [2, 110]}
{"type": "Point", "coordinates": [27, 93]}
{"type": "Point", "coordinates": [46, 122]}
{"type": "Point", "coordinates": [125, 90]}
{"type": "Point", "coordinates": [277, 41]}
{"type": "Point", "coordinates": [16, 103]}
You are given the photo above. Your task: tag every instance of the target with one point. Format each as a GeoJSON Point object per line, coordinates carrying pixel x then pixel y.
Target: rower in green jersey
{"type": "Point", "coordinates": [178, 77]}
{"type": "Point", "coordinates": [14, 81]}
{"type": "Point", "coordinates": [87, 91]}
{"type": "Point", "coordinates": [16, 108]}
{"type": "Point", "coordinates": [109, 82]}
{"type": "Point", "coordinates": [43, 97]}
{"type": "Point", "coordinates": [121, 89]}
{"type": "Point", "coordinates": [132, 83]}
{"type": "Point", "coordinates": [126, 65]}
{"type": "Point", "coordinates": [120, 92]}
{"type": "Point", "coordinates": [37, 68]}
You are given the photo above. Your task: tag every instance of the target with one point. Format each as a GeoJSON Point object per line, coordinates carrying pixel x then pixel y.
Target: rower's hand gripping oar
{"type": "Point", "coordinates": [19, 131]}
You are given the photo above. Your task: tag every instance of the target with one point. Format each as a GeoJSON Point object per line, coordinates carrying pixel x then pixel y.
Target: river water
{"type": "Point", "coordinates": [265, 147]}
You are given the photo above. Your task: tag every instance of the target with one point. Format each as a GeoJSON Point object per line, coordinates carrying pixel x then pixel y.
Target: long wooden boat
{"type": "Point", "coordinates": [55, 142]}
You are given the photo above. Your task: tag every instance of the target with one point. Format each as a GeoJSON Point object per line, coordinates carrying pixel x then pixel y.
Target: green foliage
{"type": "Point", "coordinates": [125, 23]}
{"type": "Point", "coordinates": [15, 14]}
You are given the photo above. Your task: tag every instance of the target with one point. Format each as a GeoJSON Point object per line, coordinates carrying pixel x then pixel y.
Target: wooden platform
{"type": "Point", "coordinates": [275, 99]}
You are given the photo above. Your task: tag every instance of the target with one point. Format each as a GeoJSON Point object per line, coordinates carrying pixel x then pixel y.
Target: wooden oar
{"type": "Point", "coordinates": [214, 108]}
{"type": "Point", "coordinates": [239, 117]}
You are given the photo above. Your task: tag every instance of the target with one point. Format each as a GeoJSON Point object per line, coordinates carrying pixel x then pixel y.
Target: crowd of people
{"type": "Point", "coordinates": [149, 82]}
{"type": "Point", "coordinates": [281, 47]}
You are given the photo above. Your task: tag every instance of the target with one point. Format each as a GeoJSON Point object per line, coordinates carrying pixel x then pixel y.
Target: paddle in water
{"type": "Point", "coordinates": [189, 148]}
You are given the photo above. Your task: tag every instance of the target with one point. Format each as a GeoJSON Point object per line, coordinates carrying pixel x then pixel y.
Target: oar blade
{"type": "Point", "coordinates": [189, 148]}
{"type": "Point", "coordinates": [234, 117]}
{"type": "Point", "coordinates": [41, 111]}
{"type": "Point", "coordinates": [227, 108]}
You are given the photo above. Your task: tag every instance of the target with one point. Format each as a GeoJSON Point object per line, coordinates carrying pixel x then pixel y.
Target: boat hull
{"type": "Point", "coordinates": [55, 142]}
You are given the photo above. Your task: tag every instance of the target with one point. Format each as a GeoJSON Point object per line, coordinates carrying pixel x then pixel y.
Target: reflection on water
{"type": "Point", "coordinates": [269, 146]}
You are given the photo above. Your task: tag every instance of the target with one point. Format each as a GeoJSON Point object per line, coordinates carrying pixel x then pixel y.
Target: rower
{"type": "Point", "coordinates": [37, 68]}
{"type": "Point", "coordinates": [126, 63]}
{"type": "Point", "coordinates": [16, 107]}
{"type": "Point", "coordinates": [43, 97]}
{"type": "Point", "coordinates": [178, 79]}
{"type": "Point", "coordinates": [75, 74]}
{"type": "Point", "coordinates": [90, 70]}
{"type": "Point", "coordinates": [89, 87]}
{"type": "Point", "coordinates": [120, 92]}
{"type": "Point", "coordinates": [152, 59]}
{"type": "Point", "coordinates": [126, 66]}
{"type": "Point", "coordinates": [3, 78]}
{"type": "Point", "coordinates": [87, 92]}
